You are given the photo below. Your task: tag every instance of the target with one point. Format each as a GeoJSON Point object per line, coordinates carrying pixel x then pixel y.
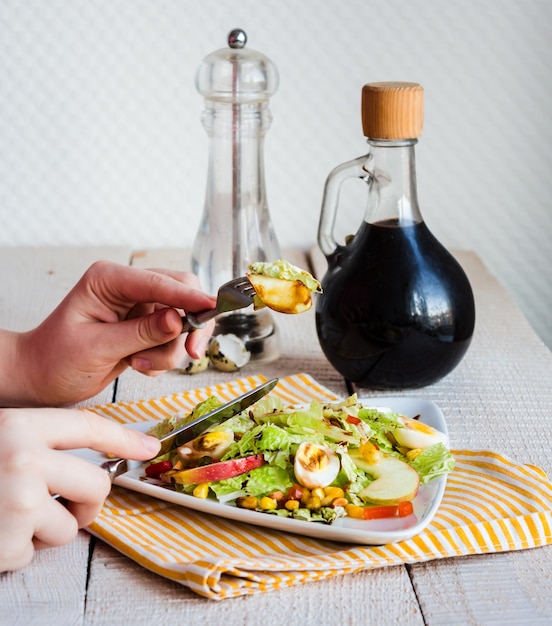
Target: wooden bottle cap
{"type": "Point", "coordinates": [392, 110]}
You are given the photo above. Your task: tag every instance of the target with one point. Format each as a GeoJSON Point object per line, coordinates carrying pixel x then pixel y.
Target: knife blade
{"type": "Point", "coordinates": [116, 467]}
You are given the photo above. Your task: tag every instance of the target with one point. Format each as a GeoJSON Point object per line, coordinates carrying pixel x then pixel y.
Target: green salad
{"type": "Point", "coordinates": [315, 463]}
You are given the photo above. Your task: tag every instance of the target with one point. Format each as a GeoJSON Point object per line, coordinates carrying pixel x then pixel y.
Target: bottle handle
{"type": "Point", "coordinates": [330, 201]}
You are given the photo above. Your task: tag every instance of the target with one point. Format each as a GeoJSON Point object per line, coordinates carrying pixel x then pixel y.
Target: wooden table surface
{"type": "Point", "coordinates": [499, 398]}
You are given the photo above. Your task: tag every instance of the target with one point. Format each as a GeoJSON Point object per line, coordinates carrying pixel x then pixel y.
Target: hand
{"type": "Point", "coordinates": [115, 316]}
{"type": "Point", "coordinates": [33, 466]}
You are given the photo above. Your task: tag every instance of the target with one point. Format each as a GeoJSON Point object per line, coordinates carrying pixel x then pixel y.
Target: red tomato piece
{"type": "Point", "coordinates": [156, 469]}
{"type": "Point", "coordinates": [405, 509]}
{"type": "Point", "coordinates": [353, 420]}
{"type": "Point", "coordinates": [380, 512]}
{"type": "Point", "coordinates": [295, 493]}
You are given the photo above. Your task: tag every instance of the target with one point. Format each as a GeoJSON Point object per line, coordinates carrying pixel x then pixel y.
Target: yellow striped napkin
{"type": "Point", "coordinates": [491, 504]}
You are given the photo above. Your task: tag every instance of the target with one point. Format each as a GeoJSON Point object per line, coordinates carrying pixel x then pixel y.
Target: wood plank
{"type": "Point", "coordinates": [510, 588]}
{"type": "Point", "coordinates": [35, 280]}
{"type": "Point", "coordinates": [49, 591]}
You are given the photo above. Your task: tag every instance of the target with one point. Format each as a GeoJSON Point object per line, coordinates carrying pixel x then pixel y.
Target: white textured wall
{"type": "Point", "coordinates": [101, 143]}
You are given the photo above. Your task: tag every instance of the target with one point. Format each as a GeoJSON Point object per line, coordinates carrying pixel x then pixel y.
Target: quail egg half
{"type": "Point", "coordinates": [194, 366]}
{"type": "Point", "coordinates": [315, 465]}
{"type": "Point", "coordinates": [415, 434]}
{"type": "Point", "coordinates": [228, 352]}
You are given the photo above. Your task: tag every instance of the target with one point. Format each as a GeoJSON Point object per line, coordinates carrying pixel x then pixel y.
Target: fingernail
{"type": "Point", "coordinates": [140, 364]}
{"type": "Point", "coordinates": [151, 444]}
{"type": "Point", "coordinates": [165, 324]}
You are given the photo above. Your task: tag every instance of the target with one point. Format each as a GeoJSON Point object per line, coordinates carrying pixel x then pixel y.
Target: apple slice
{"type": "Point", "coordinates": [283, 296]}
{"type": "Point", "coordinates": [395, 481]}
{"type": "Point", "coordinates": [216, 471]}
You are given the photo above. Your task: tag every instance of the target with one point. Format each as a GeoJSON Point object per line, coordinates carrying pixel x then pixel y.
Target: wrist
{"type": "Point", "coordinates": [15, 376]}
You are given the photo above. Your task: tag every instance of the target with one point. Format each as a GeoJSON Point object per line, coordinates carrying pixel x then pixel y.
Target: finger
{"type": "Point", "coordinates": [159, 359]}
{"type": "Point", "coordinates": [141, 309]}
{"type": "Point", "coordinates": [17, 511]}
{"type": "Point", "coordinates": [198, 340]}
{"type": "Point", "coordinates": [82, 485]}
{"type": "Point", "coordinates": [119, 341]}
{"type": "Point", "coordinates": [129, 285]}
{"type": "Point", "coordinates": [55, 525]}
{"type": "Point", "coordinates": [186, 278]}
{"type": "Point", "coordinates": [31, 519]}
{"type": "Point", "coordinates": [74, 478]}
{"type": "Point", "coordinates": [19, 550]}
{"type": "Point", "coordinates": [66, 429]}
{"type": "Point", "coordinates": [168, 356]}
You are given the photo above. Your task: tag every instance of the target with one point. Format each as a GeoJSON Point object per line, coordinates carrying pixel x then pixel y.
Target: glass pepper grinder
{"type": "Point", "coordinates": [397, 310]}
{"type": "Point", "coordinates": [236, 229]}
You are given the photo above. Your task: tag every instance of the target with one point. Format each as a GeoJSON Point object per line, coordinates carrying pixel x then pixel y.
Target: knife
{"type": "Point", "coordinates": [116, 467]}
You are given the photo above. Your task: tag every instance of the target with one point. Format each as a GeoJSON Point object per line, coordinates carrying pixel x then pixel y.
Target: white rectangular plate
{"type": "Point", "coordinates": [372, 532]}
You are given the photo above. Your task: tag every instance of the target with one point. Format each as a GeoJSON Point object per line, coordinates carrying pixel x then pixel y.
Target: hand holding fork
{"type": "Point", "coordinates": [238, 293]}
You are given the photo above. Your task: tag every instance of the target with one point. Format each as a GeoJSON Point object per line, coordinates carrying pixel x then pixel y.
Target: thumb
{"type": "Point", "coordinates": [143, 333]}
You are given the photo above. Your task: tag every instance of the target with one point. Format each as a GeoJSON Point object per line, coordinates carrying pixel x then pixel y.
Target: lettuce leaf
{"type": "Point", "coordinates": [181, 419]}
{"type": "Point", "coordinates": [432, 462]}
{"type": "Point", "coordinates": [268, 479]}
{"type": "Point", "coordinates": [286, 271]}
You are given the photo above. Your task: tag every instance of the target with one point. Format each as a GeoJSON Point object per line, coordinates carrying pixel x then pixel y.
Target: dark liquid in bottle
{"type": "Point", "coordinates": [397, 309]}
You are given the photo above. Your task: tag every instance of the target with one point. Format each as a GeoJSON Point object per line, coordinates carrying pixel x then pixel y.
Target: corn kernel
{"type": "Point", "coordinates": [292, 505]}
{"type": "Point", "coordinates": [247, 502]}
{"type": "Point", "coordinates": [412, 454]}
{"type": "Point", "coordinates": [305, 496]}
{"type": "Point", "coordinates": [326, 501]}
{"type": "Point", "coordinates": [201, 490]}
{"type": "Point", "coordinates": [333, 492]}
{"type": "Point", "coordinates": [354, 511]}
{"type": "Point", "coordinates": [268, 503]}
{"type": "Point", "coordinates": [318, 492]}
{"type": "Point", "coordinates": [341, 502]}
{"type": "Point", "coordinates": [313, 503]}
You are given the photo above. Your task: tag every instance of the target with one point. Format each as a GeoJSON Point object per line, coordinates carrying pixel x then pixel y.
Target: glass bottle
{"type": "Point", "coordinates": [235, 228]}
{"type": "Point", "coordinates": [397, 310]}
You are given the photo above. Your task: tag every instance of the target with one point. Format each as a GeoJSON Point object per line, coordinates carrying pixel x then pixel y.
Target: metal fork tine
{"type": "Point", "coordinates": [247, 289]}
{"type": "Point", "coordinates": [235, 294]}
{"type": "Point", "coordinates": [241, 284]}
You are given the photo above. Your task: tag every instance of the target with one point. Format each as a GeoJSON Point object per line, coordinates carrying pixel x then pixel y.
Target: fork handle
{"type": "Point", "coordinates": [195, 321]}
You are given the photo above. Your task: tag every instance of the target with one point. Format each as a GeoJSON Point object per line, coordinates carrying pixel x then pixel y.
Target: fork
{"type": "Point", "coordinates": [235, 294]}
